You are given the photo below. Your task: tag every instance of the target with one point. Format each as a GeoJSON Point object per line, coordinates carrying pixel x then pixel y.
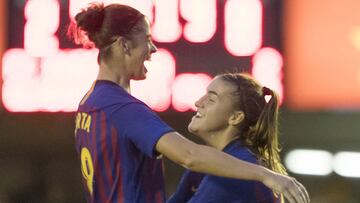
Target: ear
{"type": "Point", "coordinates": [124, 44]}
{"type": "Point", "coordinates": [236, 118]}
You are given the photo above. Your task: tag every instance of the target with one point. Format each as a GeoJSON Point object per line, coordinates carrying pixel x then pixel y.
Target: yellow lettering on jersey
{"type": "Point", "coordinates": [83, 118]}
{"type": "Point", "coordinates": [83, 122]}
{"type": "Point", "coordinates": [87, 124]}
{"type": "Point", "coordinates": [77, 121]}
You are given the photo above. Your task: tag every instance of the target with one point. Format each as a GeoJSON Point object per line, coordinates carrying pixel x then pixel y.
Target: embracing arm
{"type": "Point", "coordinates": [204, 159]}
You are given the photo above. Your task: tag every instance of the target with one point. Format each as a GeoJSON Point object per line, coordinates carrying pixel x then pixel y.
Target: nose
{"type": "Point", "coordinates": [199, 102]}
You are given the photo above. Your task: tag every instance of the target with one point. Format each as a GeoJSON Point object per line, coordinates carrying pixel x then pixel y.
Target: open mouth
{"type": "Point", "coordinates": [148, 57]}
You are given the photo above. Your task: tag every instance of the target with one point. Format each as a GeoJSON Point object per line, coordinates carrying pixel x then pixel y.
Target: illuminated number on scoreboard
{"type": "Point", "coordinates": [201, 19]}
{"type": "Point", "coordinates": [166, 27]}
{"type": "Point", "coordinates": [55, 79]}
{"type": "Point", "coordinates": [160, 75]}
{"type": "Point", "coordinates": [182, 98]}
{"type": "Point", "coordinates": [87, 168]}
{"type": "Point", "coordinates": [41, 26]}
{"type": "Point", "coordinates": [267, 69]}
{"type": "Point", "coordinates": [144, 7]}
{"type": "Point", "coordinates": [243, 26]}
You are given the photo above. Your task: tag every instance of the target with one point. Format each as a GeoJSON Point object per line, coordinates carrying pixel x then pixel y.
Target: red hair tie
{"type": "Point", "coordinates": [266, 91]}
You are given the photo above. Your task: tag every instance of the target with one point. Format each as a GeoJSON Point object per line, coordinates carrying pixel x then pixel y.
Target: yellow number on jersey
{"type": "Point", "coordinates": [87, 168]}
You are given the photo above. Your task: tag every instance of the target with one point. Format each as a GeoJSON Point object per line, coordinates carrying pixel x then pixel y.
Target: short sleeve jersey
{"type": "Point", "coordinates": [115, 138]}
{"type": "Point", "coordinates": [195, 187]}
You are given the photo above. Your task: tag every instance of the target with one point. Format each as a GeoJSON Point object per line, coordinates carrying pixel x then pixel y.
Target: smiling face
{"type": "Point", "coordinates": [139, 50]}
{"type": "Point", "coordinates": [214, 109]}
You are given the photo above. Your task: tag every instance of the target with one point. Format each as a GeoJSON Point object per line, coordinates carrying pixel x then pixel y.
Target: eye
{"type": "Point", "coordinates": [211, 99]}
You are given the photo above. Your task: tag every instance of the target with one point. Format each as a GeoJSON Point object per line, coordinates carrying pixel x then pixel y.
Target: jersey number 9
{"type": "Point", "coordinates": [87, 168]}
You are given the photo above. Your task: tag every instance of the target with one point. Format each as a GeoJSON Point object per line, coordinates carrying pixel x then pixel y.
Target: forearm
{"type": "Point", "coordinates": [204, 159]}
{"type": "Point", "coordinates": [208, 160]}
{"type": "Point", "coordinates": [212, 161]}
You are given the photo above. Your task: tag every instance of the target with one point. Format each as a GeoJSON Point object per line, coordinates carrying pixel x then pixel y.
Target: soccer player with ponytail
{"type": "Point", "coordinates": [234, 116]}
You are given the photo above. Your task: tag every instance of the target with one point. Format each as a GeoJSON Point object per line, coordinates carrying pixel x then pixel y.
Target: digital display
{"type": "Point", "coordinates": [43, 71]}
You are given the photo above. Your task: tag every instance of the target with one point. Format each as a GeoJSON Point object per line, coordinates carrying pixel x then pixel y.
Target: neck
{"type": "Point", "coordinates": [220, 140]}
{"type": "Point", "coordinates": [114, 75]}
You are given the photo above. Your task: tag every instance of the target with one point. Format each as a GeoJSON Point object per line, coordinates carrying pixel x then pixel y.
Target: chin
{"type": "Point", "coordinates": [139, 77]}
{"type": "Point", "coordinates": [192, 129]}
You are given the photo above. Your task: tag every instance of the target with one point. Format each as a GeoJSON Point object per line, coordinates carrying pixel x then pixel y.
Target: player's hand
{"type": "Point", "coordinates": [292, 190]}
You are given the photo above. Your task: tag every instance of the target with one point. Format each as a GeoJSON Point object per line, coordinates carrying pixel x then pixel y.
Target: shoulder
{"type": "Point", "coordinates": [104, 96]}
{"type": "Point", "coordinates": [241, 152]}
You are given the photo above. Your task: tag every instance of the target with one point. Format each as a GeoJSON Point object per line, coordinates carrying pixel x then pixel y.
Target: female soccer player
{"type": "Point", "coordinates": [234, 117]}
{"type": "Point", "coordinates": [119, 139]}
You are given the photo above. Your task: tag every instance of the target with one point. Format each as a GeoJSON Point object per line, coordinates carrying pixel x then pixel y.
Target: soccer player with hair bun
{"type": "Point", "coordinates": [119, 139]}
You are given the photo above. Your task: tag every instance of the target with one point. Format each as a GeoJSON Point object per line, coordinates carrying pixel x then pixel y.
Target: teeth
{"type": "Point", "coordinates": [199, 115]}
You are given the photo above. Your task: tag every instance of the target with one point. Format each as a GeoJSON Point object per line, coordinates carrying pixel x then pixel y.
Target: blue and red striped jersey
{"type": "Point", "coordinates": [115, 138]}
{"type": "Point", "coordinates": [196, 187]}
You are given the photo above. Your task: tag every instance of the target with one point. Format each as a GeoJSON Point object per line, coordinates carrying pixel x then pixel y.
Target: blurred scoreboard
{"type": "Point", "coordinates": [322, 54]}
{"type": "Point", "coordinates": [43, 71]}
